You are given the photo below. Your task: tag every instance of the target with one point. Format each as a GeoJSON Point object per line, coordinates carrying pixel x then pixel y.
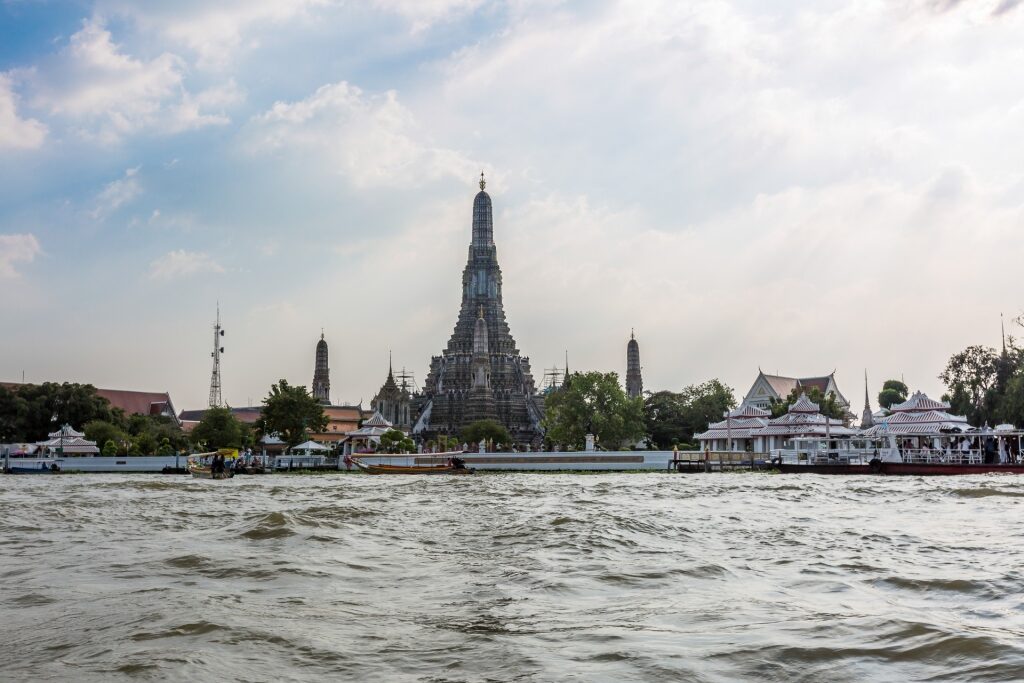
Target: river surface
{"type": "Point", "coordinates": [511, 577]}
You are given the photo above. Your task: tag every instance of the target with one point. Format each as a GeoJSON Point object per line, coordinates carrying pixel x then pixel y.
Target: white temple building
{"type": "Point", "coordinates": [67, 441]}
{"type": "Point", "coordinates": [919, 415]}
{"type": "Point", "coordinates": [768, 388]}
{"type": "Point", "coordinates": [803, 421]}
{"type": "Point", "coordinates": [735, 432]}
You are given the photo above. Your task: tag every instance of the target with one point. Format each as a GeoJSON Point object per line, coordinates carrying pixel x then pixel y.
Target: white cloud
{"type": "Point", "coordinates": [107, 94]}
{"type": "Point", "coordinates": [16, 132]}
{"type": "Point", "coordinates": [117, 193]}
{"type": "Point", "coordinates": [214, 31]}
{"type": "Point", "coordinates": [17, 248]}
{"type": "Point", "coordinates": [371, 139]}
{"type": "Point", "coordinates": [424, 13]}
{"type": "Point", "coordinates": [178, 263]}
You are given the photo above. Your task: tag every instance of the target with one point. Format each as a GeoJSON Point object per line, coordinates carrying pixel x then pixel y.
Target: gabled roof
{"type": "Point", "coordinates": [139, 402]}
{"type": "Point", "coordinates": [748, 410]}
{"type": "Point", "coordinates": [919, 402]}
{"type": "Point", "coordinates": [67, 432]}
{"type": "Point", "coordinates": [377, 420]}
{"type": "Point", "coordinates": [804, 405]}
{"type": "Point", "coordinates": [782, 386]}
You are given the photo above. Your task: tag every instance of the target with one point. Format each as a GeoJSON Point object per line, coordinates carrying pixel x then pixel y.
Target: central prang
{"type": "Point", "coordinates": [480, 374]}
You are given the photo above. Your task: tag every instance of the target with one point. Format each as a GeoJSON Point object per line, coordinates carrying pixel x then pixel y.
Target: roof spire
{"type": "Point", "coordinates": [390, 375]}
{"type": "Point", "coordinates": [632, 333]}
{"type": "Point", "coordinates": [1002, 328]}
{"type": "Point", "coordinates": [483, 183]}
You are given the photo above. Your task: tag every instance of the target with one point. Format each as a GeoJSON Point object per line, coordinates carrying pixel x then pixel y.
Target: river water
{"type": "Point", "coordinates": [511, 577]}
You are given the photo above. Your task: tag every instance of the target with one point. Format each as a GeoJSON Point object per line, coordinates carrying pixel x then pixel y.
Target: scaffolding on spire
{"type": "Point", "coordinates": [216, 400]}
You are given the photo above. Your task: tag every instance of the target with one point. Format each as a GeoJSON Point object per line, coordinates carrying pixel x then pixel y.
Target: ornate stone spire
{"type": "Point", "coordinates": [483, 221]}
{"type": "Point", "coordinates": [321, 373]}
{"type": "Point", "coordinates": [866, 419]}
{"type": "Point", "coordinates": [634, 380]}
{"type": "Point", "coordinates": [480, 373]}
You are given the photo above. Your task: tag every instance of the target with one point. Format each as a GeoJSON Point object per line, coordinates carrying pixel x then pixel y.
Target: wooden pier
{"type": "Point", "coordinates": [718, 461]}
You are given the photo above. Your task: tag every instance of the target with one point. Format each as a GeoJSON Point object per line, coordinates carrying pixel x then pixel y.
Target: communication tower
{"type": "Point", "coordinates": [215, 396]}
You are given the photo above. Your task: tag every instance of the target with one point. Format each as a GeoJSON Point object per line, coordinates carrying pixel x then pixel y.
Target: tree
{"type": "Point", "coordinates": [673, 418]}
{"type": "Point", "coordinates": [165, 448]}
{"type": "Point", "coordinates": [593, 402]}
{"type": "Point", "coordinates": [970, 375]}
{"type": "Point", "coordinates": [11, 407]}
{"type": "Point", "coordinates": [483, 431]}
{"type": "Point", "coordinates": [396, 441]}
{"type": "Point", "coordinates": [102, 432]}
{"type": "Point", "coordinates": [109, 449]}
{"type": "Point", "coordinates": [218, 429]}
{"type": "Point", "coordinates": [38, 409]}
{"type": "Point", "coordinates": [144, 444]}
{"type": "Point", "coordinates": [291, 413]}
{"type": "Point", "coordinates": [827, 405]}
{"type": "Point", "coordinates": [893, 392]}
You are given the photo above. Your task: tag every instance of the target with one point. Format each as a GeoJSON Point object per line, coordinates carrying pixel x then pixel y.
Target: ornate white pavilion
{"type": "Point", "coordinates": [735, 432]}
{"type": "Point", "coordinates": [67, 441]}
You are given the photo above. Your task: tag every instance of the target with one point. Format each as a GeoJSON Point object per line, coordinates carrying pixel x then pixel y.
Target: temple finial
{"type": "Point", "coordinates": [632, 333]}
{"type": "Point", "coordinates": [483, 183]}
{"type": "Point", "coordinates": [480, 311]}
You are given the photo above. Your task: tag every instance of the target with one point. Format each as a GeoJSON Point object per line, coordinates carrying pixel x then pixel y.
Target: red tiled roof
{"type": "Point", "coordinates": [138, 402]}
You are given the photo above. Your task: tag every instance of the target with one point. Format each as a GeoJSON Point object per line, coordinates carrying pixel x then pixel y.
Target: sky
{"type": "Point", "coordinates": [798, 187]}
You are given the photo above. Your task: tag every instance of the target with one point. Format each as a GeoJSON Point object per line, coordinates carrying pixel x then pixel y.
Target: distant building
{"type": "Point", "coordinates": [321, 374]}
{"type": "Point", "coordinates": [131, 402]}
{"type": "Point", "coordinates": [634, 381]}
{"type": "Point", "coordinates": [394, 402]}
{"type": "Point", "coordinates": [736, 431]}
{"type": "Point", "coordinates": [340, 420]}
{"type": "Point", "coordinates": [767, 388]}
{"type": "Point", "coordinates": [140, 402]}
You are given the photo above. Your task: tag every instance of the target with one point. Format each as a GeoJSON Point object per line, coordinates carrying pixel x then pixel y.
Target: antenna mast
{"type": "Point", "coordinates": [215, 396]}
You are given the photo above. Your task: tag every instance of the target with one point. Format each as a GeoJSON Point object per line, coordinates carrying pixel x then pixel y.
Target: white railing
{"type": "Point", "coordinates": [939, 455]}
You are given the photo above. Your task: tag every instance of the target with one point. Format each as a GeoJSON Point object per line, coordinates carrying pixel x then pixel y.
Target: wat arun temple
{"type": "Point", "coordinates": [480, 374]}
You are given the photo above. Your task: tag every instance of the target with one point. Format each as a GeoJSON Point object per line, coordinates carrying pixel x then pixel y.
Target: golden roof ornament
{"type": "Point", "coordinates": [483, 183]}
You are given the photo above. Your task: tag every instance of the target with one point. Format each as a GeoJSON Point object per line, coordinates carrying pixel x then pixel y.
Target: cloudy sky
{"type": "Point", "coordinates": [746, 183]}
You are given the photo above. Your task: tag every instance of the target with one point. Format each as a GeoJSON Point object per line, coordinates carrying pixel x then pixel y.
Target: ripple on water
{"type": "Point", "coordinates": [512, 577]}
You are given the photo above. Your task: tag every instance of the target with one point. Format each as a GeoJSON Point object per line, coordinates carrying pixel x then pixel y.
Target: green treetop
{"type": "Point", "coordinates": [593, 402]}
{"type": "Point", "coordinates": [291, 413]}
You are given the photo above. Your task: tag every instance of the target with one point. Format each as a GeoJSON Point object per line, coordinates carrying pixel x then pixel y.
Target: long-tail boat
{"type": "Point", "coordinates": [200, 465]}
{"type": "Point", "coordinates": [454, 468]}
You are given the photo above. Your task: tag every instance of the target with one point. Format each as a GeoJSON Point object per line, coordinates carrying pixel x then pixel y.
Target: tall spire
{"type": "Point", "coordinates": [634, 380]}
{"type": "Point", "coordinates": [1002, 329]}
{"type": "Point", "coordinates": [321, 373]}
{"type": "Point", "coordinates": [483, 221]}
{"type": "Point", "coordinates": [866, 419]}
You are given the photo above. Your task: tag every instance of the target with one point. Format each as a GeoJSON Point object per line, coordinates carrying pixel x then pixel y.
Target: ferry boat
{"type": "Point", "coordinates": [919, 437]}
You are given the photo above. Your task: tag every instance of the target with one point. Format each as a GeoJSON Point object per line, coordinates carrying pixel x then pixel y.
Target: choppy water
{"type": "Point", "coordinates": [511, 577]}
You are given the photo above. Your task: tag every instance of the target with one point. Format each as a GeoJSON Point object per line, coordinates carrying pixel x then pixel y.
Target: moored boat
{"type": "Point", "coordinates": [456, 467]}
{"type": "Point", "coordinates": [919, 437]}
